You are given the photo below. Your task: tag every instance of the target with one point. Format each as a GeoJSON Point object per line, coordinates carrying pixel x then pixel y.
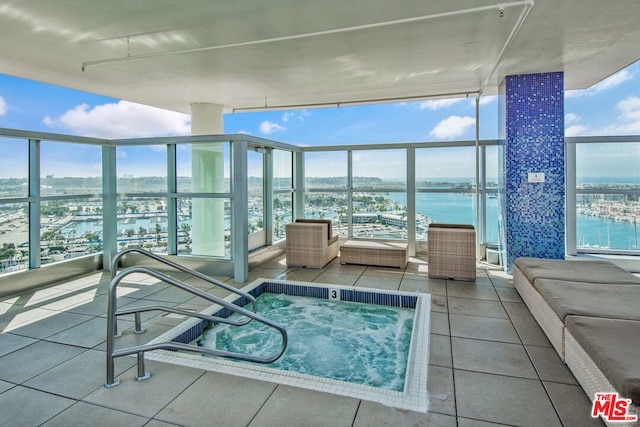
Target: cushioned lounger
{"type": "Point", "coordinates": [591, 299]}
{"type": "Point", "coordinates": [614, 346]}
{"type": "Point", "coordinates": [575, 271]}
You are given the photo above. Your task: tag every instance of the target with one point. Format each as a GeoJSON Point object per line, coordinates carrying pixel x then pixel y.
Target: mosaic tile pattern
{"type": "Point", "coordinates": [533, 212]}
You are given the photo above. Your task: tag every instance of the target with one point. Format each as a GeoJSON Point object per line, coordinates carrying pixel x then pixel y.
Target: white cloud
{"type": "Point", "coordinates": [268, 127]}
{"type": "Point", "coordinates": [484, 100]}
{"type": "Point", "coordinates": [436, 104]}
{"type": "Point", "coordinates": [630, 108]}
{"type": "Point", "coordinates": [628, 120]}
{"type": "Point", "coordinates": [571, 118]}
{"type": "Point", "coordinates": [452, 127]}
{"type": "Point", "coordinates": [3, 106]}
{"type": "Point", "coordinates": [122, 120]}
{"type": "Point", "coordinates": [575, 130]}
{"type": "Point", "coordinates": [298, 115]}
{"type": "Point", "coordinates": [287, 115]}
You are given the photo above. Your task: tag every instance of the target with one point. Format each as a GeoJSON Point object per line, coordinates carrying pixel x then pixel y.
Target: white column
{"type": "Point", "coordinates": [207, 174]}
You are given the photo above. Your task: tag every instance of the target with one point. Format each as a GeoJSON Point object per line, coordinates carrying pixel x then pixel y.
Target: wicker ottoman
{"type": "Point", "coordinates": [384, 254]}
{"type": "Point", "coordinates": [452, 251]}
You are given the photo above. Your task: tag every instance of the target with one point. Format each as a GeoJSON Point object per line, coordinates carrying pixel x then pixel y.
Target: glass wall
{"type": "Point", "coordinates": [14, 216]}
{"type": "Point", "coordinates": [445, 187]}
{"type": "Point", "coordinates": [325, 181]}
{"type": "Point", "coordinates": [204, 185]}
{"type": "Point", "coordinates": [71, 202]}
{"type": "Point", "coordinates": [379, 208]}
{"type": "Point", "coordinates": [608, 196]}
{"type": "Point", "coordinates": [282, 192]}
{"type": "Point", "coordinates": [185, 207]}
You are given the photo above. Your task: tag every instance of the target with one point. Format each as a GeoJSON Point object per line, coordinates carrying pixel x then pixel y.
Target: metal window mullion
{"type": "Point", "coordinates": [172, 203]}
{"type": "Point", "coordinates": [34, 204]}
{"type": "Point", "coordinates": [239, 209]}
{"type": "Point", "coordinates": [298, 185]}
{"type": "Point", "coordinates": [268, 195]}
{"type": "Point", "coordinates": [350, 193]}
{"type": "Point", "coordinates": [411, 201]}
{"type": "Point", "coordinates": [109, 206]}
{"type": "Point", "coordinates": [571, 234]}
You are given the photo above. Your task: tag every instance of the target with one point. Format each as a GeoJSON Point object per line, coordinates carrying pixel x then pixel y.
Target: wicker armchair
{"type": "Point", "coordinates": [452, 251]}
{"type": "Point", "coordinates": [310, 243]}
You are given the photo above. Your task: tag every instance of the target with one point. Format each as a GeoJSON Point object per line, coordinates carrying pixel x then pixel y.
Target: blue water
{"type": "Point", "coordinates": [359, 343]}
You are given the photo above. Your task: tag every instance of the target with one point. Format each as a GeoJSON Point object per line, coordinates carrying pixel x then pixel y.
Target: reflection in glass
{"type": "Point", "coordinates": [220, 237]}
{"type": "Point", "coordinates": [201, 161]}
{"type": "Point", "coordinates": [446, 168]}
{"type": "Point", "coordinates": [70, 228]}
{"type": "Point", "coordinates": [380, 215]}
{"type": "Point", "coordinates": [67, 168]}
{"type": "Point", "coordinates": [142, 222]}
{"type": "Point", "coordinates": [142, 169]}
{"type": "Point", "coordinates": [282, 170]}
{"type": "Point", "coordinates": [282, 214]}
{"type": "Point", "coordinates": [325, 170]}
{"type": "Point", "coordinates": [14, 168]}
{"type": "Point", "coordinates": [380, 169]}
{"type": "Point", "coordinates": [14, 237]}
{"type": "Point", "coordinates": [333, 206]}
{"type": "Point", "coordinates": [610, 218]}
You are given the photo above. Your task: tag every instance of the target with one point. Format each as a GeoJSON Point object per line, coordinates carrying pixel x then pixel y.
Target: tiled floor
{"type": "Point", "coordinates": [489, 364]}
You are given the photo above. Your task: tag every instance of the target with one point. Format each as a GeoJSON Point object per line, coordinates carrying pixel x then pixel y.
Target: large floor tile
{"type": "Point", "coordinates": [88, 334]}
{"type": "Point", "coordinates": [337, 279]}
{"type": "Point", "coordinates": [500, 399]}
{"type": "Point", "coordinates": [549, 365]}
{"type": "Point", "coordinates": [34, 359]}
{"type": "Point", "coordinates": [526, 326]}
{"type": "Point", "coordinates": [146, 398]}
{"type": "Point", "coordinates": [440, 350]}
{"type": "Point", "coordinates": [375, 414]}
{"type": "Point", "coordinates": [476, 307]}
{"type": "Point", "coordinates": [439, 323]}
{"type": "Point", "coordinates": [378, 282]}
{"type": "Point", "coordinates": [572, 404]}
{"type": "Point", "coordinates": [22, 406]}
{"type": "Point", "coordinates": [483, 328]}
{"type": "Point", "coordinates": [442, 396]}
{"type": "Point", "coordinates": [429, 286]}
{"type": "Point", "coordinates": [491, 357]}
{"type": "Point", "coordinates": [218, 399]}
{"type": "Point", "coordinates": [59, 322]}
{"type": "Point", "coordinates": [79, 376]}
{"type": "Point", "coordinates": [4, 386]}
{"type": "Point", "coordinates": [294, 406]}
{"type": "Point", "coordinates": [85, 414]}
{"type": "Point", "coordinates": [470, 290]}
{"type": "Point", "coordinates": [12, 342]}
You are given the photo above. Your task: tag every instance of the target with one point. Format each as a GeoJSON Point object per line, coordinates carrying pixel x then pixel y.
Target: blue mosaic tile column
{"type": "Point", "coordinates": [532, 127]}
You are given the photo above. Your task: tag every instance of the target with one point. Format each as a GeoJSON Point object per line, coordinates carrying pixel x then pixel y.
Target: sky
{"type": "Point", "coordinates": [611, 107]}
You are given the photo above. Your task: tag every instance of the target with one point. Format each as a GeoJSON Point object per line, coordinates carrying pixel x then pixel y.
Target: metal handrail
{"type": "Point", "coordinates": [114, 270]}
{"type": "Point", "coordinates": [139, 350]}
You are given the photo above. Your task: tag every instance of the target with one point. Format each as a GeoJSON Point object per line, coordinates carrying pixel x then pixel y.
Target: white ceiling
{"type": "Point", "coordinates": [246, 54]}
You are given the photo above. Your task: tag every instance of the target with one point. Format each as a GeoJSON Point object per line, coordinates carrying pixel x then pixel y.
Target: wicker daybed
{"type": "Point", "coordinates": [590, 311]}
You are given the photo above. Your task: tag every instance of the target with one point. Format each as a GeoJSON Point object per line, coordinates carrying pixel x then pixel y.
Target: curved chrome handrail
{"type": "Point", "coordinates": [114, 270]}
{"type": "Point", "coordinates": [112, 326]}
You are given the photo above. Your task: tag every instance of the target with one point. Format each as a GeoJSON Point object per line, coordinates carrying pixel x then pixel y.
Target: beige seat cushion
{"type": "Point", "coordinates": [614, 346]}
{"type": "Point", "coordinates": [591, 299]}
{"type": "Point", "coordinates": [592, 271]}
